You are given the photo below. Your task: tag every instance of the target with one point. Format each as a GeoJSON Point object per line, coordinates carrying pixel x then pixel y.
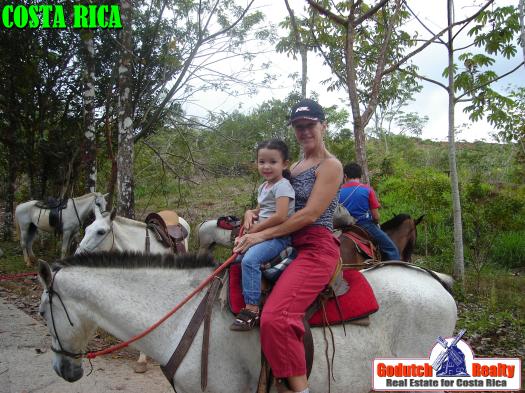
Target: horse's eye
{"type": "Point", "coordinates": [101, 232]}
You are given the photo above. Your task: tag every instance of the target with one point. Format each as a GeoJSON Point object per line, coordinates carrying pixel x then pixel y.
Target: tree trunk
{"type": "Point", "coordinates": [301, 48]}
{"type": "Point", "coordinates": [10, 187]}
{"type": "Point", "coordinates": [125, 123]}
{"type": "Point", "coordinates": [304, 70]}
{"type": "Point", "coordinates": [459, 265]}
{"type": "Point", "coordinates": [522, 26]}
{"type": "Point", "coordinates": [89, 151]}
{"type": "Point", "coordinates": [360, 149]}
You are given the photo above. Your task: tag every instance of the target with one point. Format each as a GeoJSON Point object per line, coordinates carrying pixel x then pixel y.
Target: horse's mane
{"type": "Point", "coordinates": [136, 260]}
{"type": "Point", "coordinates": [88, 195]}
{"type": "Point", "coordinates": [395, 221]}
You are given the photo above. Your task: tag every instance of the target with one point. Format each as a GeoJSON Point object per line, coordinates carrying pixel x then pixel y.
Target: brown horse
{"type": "Point", "coordinates": [401, 229]}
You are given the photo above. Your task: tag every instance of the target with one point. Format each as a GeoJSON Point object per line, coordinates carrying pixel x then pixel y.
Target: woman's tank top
{"type": "Point", "coordinates": [303, 184]}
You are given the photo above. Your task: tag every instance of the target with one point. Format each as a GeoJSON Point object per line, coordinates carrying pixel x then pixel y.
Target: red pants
{"type": "Point", "coordinates": [282, 327]}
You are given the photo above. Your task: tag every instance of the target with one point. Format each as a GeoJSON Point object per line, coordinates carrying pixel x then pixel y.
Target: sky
{"type": "Point", "coordinates": [431, 102]}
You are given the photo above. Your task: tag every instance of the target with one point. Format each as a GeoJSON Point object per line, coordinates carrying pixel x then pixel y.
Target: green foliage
{"type": "Point", "coordinates": [508, 249]}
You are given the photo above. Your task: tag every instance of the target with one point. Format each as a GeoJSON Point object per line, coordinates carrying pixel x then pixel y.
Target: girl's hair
{"type": "Point", "coordinates": [277, 144]}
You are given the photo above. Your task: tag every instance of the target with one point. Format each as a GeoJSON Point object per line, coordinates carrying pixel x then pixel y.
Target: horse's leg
{"type": "Point", "coordinates": [27, 235]}
{"type": "Point", "coordinates": [66, 240]}
{"type": "Point", "coordinates": [142, 364]}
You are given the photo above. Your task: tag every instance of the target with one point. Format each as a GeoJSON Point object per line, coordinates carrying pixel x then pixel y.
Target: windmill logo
{"type": "Point", "coordinates": [451, 361]}
{"type": "Point", "coordinates": [450, 366]}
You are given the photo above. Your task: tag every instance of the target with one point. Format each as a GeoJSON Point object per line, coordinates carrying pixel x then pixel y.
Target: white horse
{"type": "Point", "coordinates": [29, 218]}
{"type": "Point", "coordinates": [210, 234]}
{"type": "Point", "coordinates": [110, 232]}
{"type": "Point", "coordinates": [126, 294]}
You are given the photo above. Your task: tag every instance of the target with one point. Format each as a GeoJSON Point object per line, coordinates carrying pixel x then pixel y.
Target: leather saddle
{"type": "Point", "coordinates": [230, 223]}
{"type": "Point", "coordinates": [55, 207]}
{"type": "Point", "coordinates": [167, 229]}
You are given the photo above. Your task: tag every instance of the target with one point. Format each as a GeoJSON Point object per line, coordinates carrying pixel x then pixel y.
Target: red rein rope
{"type": "Point", "coordinates": [92, 355]}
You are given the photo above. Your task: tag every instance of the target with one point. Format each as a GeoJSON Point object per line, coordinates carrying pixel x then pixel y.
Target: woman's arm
{"type": "Point", "coordinates": [280, 215]}
{"type": "Point", "coordinates": [329, 177]}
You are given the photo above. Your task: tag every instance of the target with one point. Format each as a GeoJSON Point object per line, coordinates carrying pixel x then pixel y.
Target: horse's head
{"type": "Point", "coordinates": [100, 204]}
{"type": "Point", "coordinates": [68, 329]}
{"type": "Point", "coordinates": [99, 235]}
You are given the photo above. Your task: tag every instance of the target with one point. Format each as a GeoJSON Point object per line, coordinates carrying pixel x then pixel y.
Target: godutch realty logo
{"type": "Point", "coordinates": [451, 366]}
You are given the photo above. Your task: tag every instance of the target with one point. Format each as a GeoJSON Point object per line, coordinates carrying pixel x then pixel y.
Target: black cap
{"type": "Point", "coordinates": [307, 109]}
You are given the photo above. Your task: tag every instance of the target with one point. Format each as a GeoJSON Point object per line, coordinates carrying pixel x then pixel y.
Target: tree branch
{"type": "Point", "coordinates": [434, 38]}
{"type": "Point", "coordinates": [424, 78]}
{"type": "Point", "coordinates": [330, 15]}
{"type": "Point", "coordinates": [489, 82]}
{"type": "Point", "coordinates": [421, 22]}
{"type": "Point", "coordinates": [371, 12]}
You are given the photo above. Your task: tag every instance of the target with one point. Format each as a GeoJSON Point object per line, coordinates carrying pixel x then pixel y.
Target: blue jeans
{"type": "Point", "coordinates": [386, 245]}
{"type": "Point", "coordinates": [251, 266]}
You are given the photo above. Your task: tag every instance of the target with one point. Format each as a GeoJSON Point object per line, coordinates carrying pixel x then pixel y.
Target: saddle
{"type": "Point", "coordinates": [55, 207]}
{"type": "Point", "coordinates": [364, 243]}
{"type": "Point", "coordinates": [167, 229]}
{"type": "Point", "coordinates": [230, 223]}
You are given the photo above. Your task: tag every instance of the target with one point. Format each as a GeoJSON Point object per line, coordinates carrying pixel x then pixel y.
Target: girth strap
{"type": "Point", "coordinates": [203, 311]}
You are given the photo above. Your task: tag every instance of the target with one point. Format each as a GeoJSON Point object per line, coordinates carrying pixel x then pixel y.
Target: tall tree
{"type": "Point", "coordinates": [89, 151]}
{"type": "Point", "coordinates": [522, 25]}
{"type": "Point", "coordinates": [126, 202]}
{"type": "Point", "coordinates": [358, 41]}
{"type": "Point", "coordinates": [469, 84]}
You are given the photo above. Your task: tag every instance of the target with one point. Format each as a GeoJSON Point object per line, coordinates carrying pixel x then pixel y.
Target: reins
{"type": "Point", "coordinates": [92, 355]}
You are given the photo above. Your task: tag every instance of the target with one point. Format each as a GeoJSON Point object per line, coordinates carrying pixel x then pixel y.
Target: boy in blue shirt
{"type": "Point", "coordinates": [361, 201]}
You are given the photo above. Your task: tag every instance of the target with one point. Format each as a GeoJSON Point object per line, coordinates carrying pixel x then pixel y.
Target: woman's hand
{"type": "Point", "coordinates": [249, 218]}
{"type": "Point", "coordinates": [243, 243]}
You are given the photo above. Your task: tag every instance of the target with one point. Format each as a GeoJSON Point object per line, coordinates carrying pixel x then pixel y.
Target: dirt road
{"type": "Point", "coordinates": [25, 363]}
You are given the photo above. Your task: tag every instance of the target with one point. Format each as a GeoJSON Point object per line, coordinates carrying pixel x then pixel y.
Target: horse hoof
{"type": "Point", "coordinates": [140, 367]}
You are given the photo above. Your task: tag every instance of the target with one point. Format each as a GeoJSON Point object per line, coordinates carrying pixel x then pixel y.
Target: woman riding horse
{"type": "Point", "coordinates": [316, 180]}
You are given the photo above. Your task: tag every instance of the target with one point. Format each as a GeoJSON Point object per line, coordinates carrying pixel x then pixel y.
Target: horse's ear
{"type": "Point", "coordinates": [44, 273]}
{"type": "Point", "coordinates": [105, 195]}
{"type": "Point", "coordinates": [113, 214]}
{"type": "Point", "coordinates": [419, 219]}
{"type": "Point", "coordinates": [98, 213]}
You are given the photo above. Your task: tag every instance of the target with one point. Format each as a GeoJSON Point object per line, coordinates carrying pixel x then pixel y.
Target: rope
{"type": "Point", "coordinates": [16, 276]}
{"type": "Point", "coordinates": [92, 355]}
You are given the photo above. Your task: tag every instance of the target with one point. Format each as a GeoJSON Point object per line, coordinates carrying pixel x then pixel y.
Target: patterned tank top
{"type": "Point", "coordinates": [303, 184]}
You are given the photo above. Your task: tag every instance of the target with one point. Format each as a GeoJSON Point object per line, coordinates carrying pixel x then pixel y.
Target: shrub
{"type": "Point", "coordinates": [508, 249]}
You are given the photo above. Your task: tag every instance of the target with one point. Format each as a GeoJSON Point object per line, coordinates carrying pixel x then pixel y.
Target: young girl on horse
{"type": "Point", "coordinates": [316, 180]}
{"type": "Point", "coordinates": [275, 204]}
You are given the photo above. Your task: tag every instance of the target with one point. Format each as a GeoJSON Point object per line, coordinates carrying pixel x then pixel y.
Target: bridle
{"type": "Point", "coordinates": [83, 249]}
{"type": "Point", "coordinates": [50, 292]}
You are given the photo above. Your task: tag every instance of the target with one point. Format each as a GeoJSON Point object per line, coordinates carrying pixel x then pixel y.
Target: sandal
{"type": "Point", "coordinates": [246, 320]}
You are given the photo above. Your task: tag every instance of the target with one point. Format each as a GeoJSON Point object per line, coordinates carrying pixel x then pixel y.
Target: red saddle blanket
{"type": "Point", "coordinates": [358, 302]}
{"type": "Point", "coordinates": [364, 245]}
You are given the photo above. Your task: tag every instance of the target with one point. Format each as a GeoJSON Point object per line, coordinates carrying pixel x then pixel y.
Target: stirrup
{"type": "Point", "coordinates": [246, 320]}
